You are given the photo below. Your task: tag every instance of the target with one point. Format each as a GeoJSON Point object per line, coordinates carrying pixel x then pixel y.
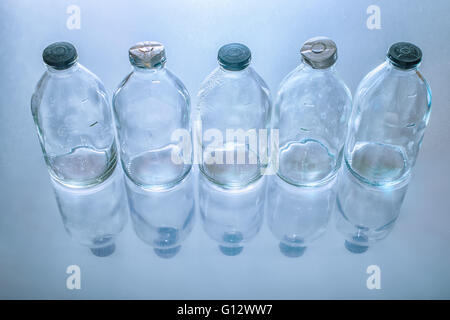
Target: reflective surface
{"type": "Point", "coordinates": [35, 250]}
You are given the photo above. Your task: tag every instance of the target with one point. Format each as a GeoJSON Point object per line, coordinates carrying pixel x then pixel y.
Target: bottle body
{"type": "Point", "coordinates": [313, 108]}
{"type": "Point", "coordinates": [73, 119]}
{"type": "Point", "coordinates": [391, 112]}
{"type": "Point", "coordinates": [233, 107]}
{"type": "Point", "coordinates": [150, 105]}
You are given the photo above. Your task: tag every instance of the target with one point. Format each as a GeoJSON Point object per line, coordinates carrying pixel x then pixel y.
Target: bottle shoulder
{"type": "Point", "coordinates": [303, 78]}
{"type": "Point", "coordinates": [393, 98]}
{"type": "Point", "coordinates": [316, 86]}
{"type": "Point", "coordinates": [138, 85]}
{"type": "Point", "coordinates": [235, 86]}
{"type": "Point", "coordinates": [68, 88]}
{"type": "Point", "coordinates": [387, 78]}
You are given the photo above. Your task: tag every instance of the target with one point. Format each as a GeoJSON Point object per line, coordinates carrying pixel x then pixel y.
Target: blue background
{"type": "Point", "coordinates": [34, 247]}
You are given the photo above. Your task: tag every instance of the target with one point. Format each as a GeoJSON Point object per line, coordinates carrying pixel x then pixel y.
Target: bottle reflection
{"type": "Point", "coordinates": [162, 218]}
{"type": "Point", "coordinates": [231, 216]}
{"type": "Point", "coordinates": [298, 215]}
{"type": "Point", "coordinates": [94, 216]}
{"type": "Point", "coordinates": [372, 217]}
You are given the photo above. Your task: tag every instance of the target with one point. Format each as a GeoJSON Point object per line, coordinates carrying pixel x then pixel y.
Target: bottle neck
{"type": "Point", "coordinates": [149, 71]}
{"type": "Point", "coordinates": [236, 73]}
{"type": "Point", "coordinates": [308, 67]}
{"type": "Point", "coordinates": [401, 71]}
{"type": "Point", "coordinates": [64, 72]}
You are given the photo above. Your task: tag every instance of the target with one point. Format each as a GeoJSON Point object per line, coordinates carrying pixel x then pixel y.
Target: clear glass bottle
{"type": "Point", "coordinates": [150, 105]}
{"type": "Point", "coordinates": [390, 113]}
{"type": "Point", "coordinates": [233, 101]}
{"type": "Point", "coordinates": [74, 124]}
{"type": "Point", "coordinates": [312, 109]}
{"type": "Point", "coordinates": [313, 106]}
{"type": "Point", "coordinates": [73, 118]}
{"type": "Point", "coordinates": [235, 110]}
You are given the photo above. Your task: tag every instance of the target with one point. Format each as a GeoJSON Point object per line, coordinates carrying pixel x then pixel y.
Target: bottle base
{"type": "Point", "coordinates": [291, 251]}
{"type": "Point", "coordinates": [234, 247]}
{"type": "Point", "coordinates": [231, 251]}
{"type": "Point", "coordinates": [354, 247]}
{"type": "Point", "coordinates": [104, 251]}
{"type": "Point", "coordinates": [167, 253]}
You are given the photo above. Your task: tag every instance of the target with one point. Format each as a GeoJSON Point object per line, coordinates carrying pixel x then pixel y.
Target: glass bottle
{"type": "Point", "coordinates": [152, 112]}
{"type": "Point", "coordinates": [151, 105]}
{"type": "Point", "coordinates": [234, 107]}
{"type": "Point", "coordinates": [73, 118]}
{"type": "Point", "coordinates": [312, 109]}
{"type": "Point", "coordinates": [390, 113]}
{"type": "Point", "coordinates": [74, 124]}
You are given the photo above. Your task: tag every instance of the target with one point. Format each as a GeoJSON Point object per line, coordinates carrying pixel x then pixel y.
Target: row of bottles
{"type": "Point", "coordinates": [317, 128]}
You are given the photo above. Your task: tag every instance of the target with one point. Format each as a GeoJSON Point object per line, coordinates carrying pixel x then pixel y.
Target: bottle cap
{"type": "Point", "coordinates": [147, 54]}
{"type": "Point", "coordinates": [60, 55]}
{"type": "Point", "coordinates": [319, 52]}
{"type": "Point", "coordinates": [234, 56]}
{"type": "Point", "coordinates": [404, 55]}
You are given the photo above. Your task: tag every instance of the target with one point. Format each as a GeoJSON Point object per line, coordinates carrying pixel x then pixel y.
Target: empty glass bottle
{"type": "Point", "coordinates": [313, 106]}
{"type": "Point", "coordinates": [391, 110]}
{"type": "Point", "coordinates": [152, 112]}
{"type": "Point", "coordinates": [234, 105]}
{"type": "Point", "coordinates": [235, 110]}
{"type": "Point", "coordinates": [73, 119]}
{"type": "Point", "coordinates": [150, 105]}
{"type": "Point", "coordinates": [312, 109]}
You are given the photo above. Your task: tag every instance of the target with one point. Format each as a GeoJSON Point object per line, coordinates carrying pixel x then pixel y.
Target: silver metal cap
{"type": "Point", "coordinates": [319, 52]}
{"type": "Point", "coordinates": [147, 54]}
